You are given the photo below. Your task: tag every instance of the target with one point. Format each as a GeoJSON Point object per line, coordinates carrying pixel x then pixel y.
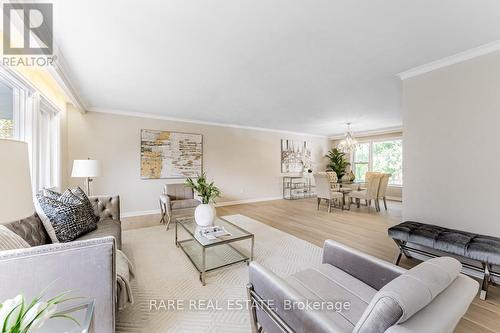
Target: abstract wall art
{"type": "Point", "coordinates": [166, 154]}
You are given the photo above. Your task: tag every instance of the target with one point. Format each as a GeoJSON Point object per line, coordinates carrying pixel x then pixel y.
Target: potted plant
{"type": "Point", "coordinates": [338, 162]}
{"type": "Point", "coordinates": [18, 316]}
{"type": "Point", "coordinates": [204, 214]}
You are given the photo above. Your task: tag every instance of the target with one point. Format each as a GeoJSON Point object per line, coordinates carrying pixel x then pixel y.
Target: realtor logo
{"type": "Point", "coordinates": [35, 20]}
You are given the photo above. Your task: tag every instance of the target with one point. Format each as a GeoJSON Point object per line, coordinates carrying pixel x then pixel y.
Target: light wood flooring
{"type": "Point", "coordinates": [363, 229]}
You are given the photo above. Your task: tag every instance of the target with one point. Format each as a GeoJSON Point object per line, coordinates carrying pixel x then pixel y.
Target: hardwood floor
{"type": "Point", "coordinates": [363, 229]}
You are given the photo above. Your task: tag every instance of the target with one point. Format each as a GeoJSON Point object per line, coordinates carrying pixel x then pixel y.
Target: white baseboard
{"type": "Point", "coordinates": [239, 202]}
{"type": "Point", "coordinates": [219, 204]}
{"type": "Point", "coordinates": [140, 213]}
{"type": "Point", "coordinates": [395, 199]}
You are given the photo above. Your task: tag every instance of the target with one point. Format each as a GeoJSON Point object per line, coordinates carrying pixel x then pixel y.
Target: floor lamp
{"type": "Point", "coordinates": [16, 194]}
{"type": "Point", "coordinates": [86, 169]}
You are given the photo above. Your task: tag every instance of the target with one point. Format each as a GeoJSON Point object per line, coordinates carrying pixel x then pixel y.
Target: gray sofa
{"type": "Point", "coordinates": [382, 297]}
{"type": "Point", "coordinates": [86, 266]}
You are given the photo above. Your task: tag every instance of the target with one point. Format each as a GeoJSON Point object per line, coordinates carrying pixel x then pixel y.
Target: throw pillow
{"type": "Point", "coordinates": [68, 220]}
{"type": "Point", "coordinates": [51, 194]}
{"type": "Point", "coordinates": [68, 197]}
{"type": "Point", "coordinates": [10, 240]}
{"type": "Point", "coordinates": [45, 220]}
{"type": "Point", "coordinates": [86, 201]}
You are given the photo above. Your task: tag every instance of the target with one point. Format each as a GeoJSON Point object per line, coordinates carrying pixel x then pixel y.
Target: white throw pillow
{"type": "Point", "coordinates": [10, 240]}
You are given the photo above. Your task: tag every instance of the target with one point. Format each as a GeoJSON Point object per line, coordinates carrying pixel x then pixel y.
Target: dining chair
{"type": "Point", "coordinates": [324, 191]}
{"type": "Point", "coordinates": [384, 182]}
{"type": "Point", "coordinates": [333, 179]}
{"type": "Point", "coordinates": [368, 194]}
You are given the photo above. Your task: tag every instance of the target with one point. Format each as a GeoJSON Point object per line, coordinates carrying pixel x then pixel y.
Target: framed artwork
{"type": "Point", "coordinates": [295, 156]}
{"type": "Point", "coordinates": [166, 154]}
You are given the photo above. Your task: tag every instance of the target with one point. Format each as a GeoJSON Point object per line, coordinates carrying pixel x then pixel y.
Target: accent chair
{"type": "Point", "coordinates": [324, 191]}
{"type": "Point", "coordinates": [176, 198]}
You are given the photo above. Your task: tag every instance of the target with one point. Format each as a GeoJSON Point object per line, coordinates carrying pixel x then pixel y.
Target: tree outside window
{"type": "Point", "coordinates": [379, 156]}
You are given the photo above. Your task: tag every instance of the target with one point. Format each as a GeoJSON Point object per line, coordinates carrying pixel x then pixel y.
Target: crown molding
{"type": "Point", "coordinates": [198, 122]}
{"type": "Point", "coordinates": [58, 71]}
{"type": "Point", "coordinates": [381, 131]}
{"type": "Point", "coordinates": [454, 59]}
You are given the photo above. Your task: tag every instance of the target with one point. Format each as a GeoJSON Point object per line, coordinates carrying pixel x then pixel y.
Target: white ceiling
{"type": "Point", "coordinates": [306, 65]}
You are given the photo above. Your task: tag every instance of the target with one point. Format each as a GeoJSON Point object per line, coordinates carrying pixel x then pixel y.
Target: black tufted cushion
{"type": "Point", "coordinates": [473, 246]}
{"type": "Point", "coordinates": [31, 230]}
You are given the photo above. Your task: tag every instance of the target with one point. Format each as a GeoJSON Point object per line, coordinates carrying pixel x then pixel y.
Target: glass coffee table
{"type": "Point", "coordinates": [207, 255]}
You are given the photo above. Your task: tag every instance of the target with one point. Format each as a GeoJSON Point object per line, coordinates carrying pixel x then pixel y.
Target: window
{"type": "Point", "coordinates": [361, 163]}
{"type": "Point", "coordinates": [6, 112]}
{"type": "Point", "coordinates": [26, 115]}
{"type": "Point", "coordinates": [379, 156]}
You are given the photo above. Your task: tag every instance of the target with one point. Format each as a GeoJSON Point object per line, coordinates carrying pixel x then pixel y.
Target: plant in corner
{"type": "Point", "coordinates": [338, 162]}
{"type": "Point", "coordinates": [204, 214]}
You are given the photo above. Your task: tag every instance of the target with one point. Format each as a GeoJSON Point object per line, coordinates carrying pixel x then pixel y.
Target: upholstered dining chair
{"type": "Point", "coordinates": [384, 182]}
{"type": "Point", "coordinates": [176, 198]}
{"type": "Point", "coordinates": [368, 194]}
{"type": "Point", "coordinates": [333, 179]}
{"type": "Point", "coordinates": [323, 191]}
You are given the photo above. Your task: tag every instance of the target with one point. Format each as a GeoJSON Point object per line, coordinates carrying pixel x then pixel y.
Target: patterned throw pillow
{"type": "Point", "coordinates": [70, 198]}
{"type": "Point", "coordinates": [80, 194]}
{"type": "Point", "coordinates": [51, 194]}
{"type": "Point", "coordinates": [68, 220]}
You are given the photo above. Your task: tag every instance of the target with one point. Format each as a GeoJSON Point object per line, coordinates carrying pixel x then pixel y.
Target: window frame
{"type": "Point", "coordinates": [370, 160]}
{"type": "Point", "coordinates": [26, 117]}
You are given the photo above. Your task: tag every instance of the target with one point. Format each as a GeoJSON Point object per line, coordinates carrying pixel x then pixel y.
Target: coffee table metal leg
{"type": "Point", "coordinates": [203, 267]}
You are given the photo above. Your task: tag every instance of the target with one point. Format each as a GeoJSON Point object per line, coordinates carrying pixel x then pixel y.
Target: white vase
{"type": "Point", "coordinates": [204, 215]}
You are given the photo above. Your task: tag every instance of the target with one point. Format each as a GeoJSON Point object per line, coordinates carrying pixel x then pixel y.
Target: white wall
{"type": "Point", "coordinates": [244, 163]}
{"type": "Point", "coordinates": [451, 140]}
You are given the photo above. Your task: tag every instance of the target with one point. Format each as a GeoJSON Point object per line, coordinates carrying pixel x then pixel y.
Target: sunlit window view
{"type": "Point", "coordinates": [6, 112]}
{"type": "Point", "coordinates": [379, 156]}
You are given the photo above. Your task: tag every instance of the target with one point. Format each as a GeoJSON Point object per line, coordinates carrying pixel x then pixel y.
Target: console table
{"type": "Point", "coordinates": [297, 187]}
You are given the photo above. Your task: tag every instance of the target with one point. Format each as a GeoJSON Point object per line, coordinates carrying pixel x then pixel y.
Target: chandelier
{"type": "Point", "coordinates": [348, 144]}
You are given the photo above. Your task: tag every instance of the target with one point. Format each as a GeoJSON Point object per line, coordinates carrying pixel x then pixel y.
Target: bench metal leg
{"type": "Point", "coordinates": [402, 251]}
{"type": "Point", "coordinates": [486, 281]}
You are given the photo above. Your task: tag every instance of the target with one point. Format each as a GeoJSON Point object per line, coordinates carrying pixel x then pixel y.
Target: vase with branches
{"type": "Point", "coordinates": [338, 162]}
{"type": "Point", "coordinates": [204, 213]}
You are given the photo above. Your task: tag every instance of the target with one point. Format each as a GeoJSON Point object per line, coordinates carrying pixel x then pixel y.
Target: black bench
{"type": "Point", "coordinates": [479, 248]}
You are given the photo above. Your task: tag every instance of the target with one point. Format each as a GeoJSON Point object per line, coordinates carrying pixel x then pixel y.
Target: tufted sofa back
{"type": "Point", "coordinates": [106, 207]}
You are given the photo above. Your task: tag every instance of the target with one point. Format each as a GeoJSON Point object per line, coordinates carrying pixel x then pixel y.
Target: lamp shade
{"type": "Point", "coordinates": [16, 196]}
{"type": "Point", "coordinates": [85, 169]}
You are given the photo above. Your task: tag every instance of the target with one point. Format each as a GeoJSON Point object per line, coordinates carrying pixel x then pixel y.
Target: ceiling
{"type": "Point", "coordinates": [305, 66]}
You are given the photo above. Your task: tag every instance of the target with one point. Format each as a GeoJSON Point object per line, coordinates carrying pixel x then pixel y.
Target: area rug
{"type": "Point", "coordinates": [169, 296]}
